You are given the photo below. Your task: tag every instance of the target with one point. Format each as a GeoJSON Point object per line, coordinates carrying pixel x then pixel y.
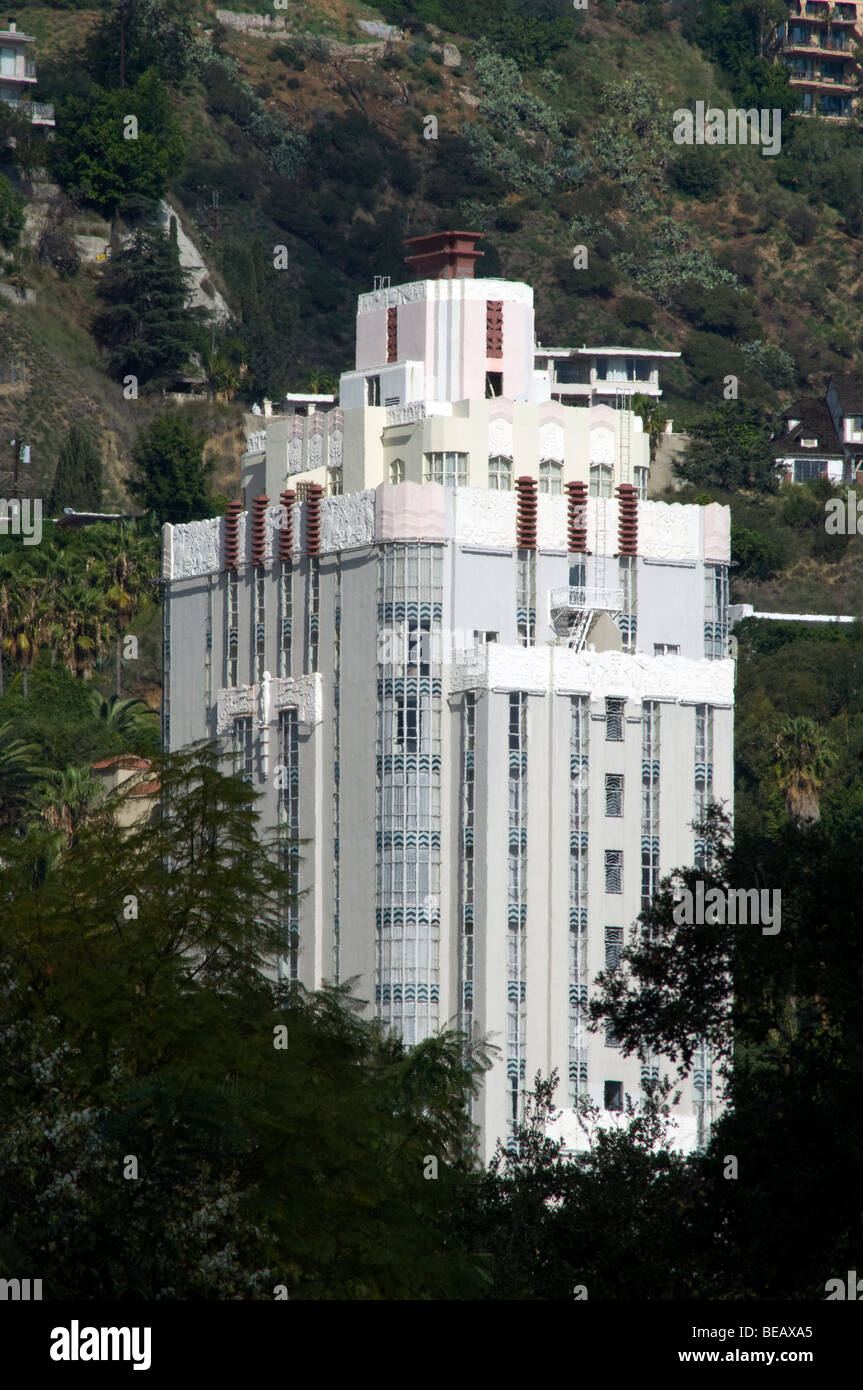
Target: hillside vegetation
{"type": "Point", "coordinates": [304, 146]}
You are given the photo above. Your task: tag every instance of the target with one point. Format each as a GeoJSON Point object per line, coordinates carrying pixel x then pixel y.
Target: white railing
{"type": "Point", "coordinates": [586, 598]}
{"type": "Point", "coordinates": [41, 110]}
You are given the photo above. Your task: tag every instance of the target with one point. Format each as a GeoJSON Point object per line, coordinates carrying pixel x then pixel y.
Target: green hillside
{"type": "Point", "coordinates": [553, 131]}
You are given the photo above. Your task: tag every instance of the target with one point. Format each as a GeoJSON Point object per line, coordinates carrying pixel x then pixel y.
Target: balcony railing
{"type": "Point", "coordinates": [586, 599]}
{"type": "Point", "coordinates": [36, 110]}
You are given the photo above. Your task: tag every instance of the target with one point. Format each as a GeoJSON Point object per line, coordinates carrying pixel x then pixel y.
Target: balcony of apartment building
{"type": "Point", "coordinates": [18, 76]}
{"type": "Point", "coordinates": [601, 373]}
{"type": "Point", "coordinates": [803, 39]}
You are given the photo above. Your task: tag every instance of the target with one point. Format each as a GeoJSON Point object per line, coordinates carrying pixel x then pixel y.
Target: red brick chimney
{"type": "Point", "coordinates": [444, 255]}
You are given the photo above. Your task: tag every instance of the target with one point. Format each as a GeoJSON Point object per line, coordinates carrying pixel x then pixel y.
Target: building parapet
{"type": "Point", "coordinates": [615, 675]}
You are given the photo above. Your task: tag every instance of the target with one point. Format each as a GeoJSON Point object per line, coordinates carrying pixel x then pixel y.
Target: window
{"type": "Point", "coordinates": [715, 612]}
{"type": "Point", "coordinates": [373, 390]}
{"type": "Point", "coordinates": [500, 473]}
{"type": "Point", "coordinates": [526, 597]}
{"type": "Point", "coordinates": [303, 492]}
{"type": "Point", "coordinates": [577, 575]}
{"type": "Point", "coordinates": [613, 794]}
{"type": "Point", "coordinates": [286, 600]}
{"type": "Point", "coordinates": [233, 631]}
{"type": "Point", "coordinates": [243, 745]}
{"type": "Point", "coordinates": [806, 469]}
{"type": "Point", "coordinates": [260, 624]}
{"type": "Point", "coordinates": [641, 483]}
{"type": "Point", "coordinates": [335, 478]}
{"type": "Point", "coordinates": [480, 638]}
{"type": "Point", "coordinates": [614, 1095]}
{"type": "Point", "coordinates": [614, 871]}
{"type": "Point", "coordinates": [600, 480]}
{"type": "Point", "coordinates": [614, 720]}
{"type": "Point", "coordinates": [449, 469]}
{"type": "Point", "coordinates": [666, 649]}
{"type": "Point", "coordinates": [550, 477]}
{"type": "Point", "coordinates": [397, 471]}
{"type": "Point", "coordinates": [613, 946]}
{"type": "Point", "coordinates": [313, 614]}
{"type": "Point", "coordinates": [572, 371]}
{"type": "Point", "coordinates": [494, 383]}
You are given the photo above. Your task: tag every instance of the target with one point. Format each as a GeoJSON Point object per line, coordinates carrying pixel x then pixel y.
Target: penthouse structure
{"type": "Point", "coordinates": [481, 678]}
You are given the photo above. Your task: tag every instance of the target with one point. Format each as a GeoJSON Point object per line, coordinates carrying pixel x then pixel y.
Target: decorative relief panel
{"type": "Point", "coordinates": [484, 518]}
{"type": "Point", "coordinates": [195, 547]}
{"type": "Point", "coordinates": [347, 521]}
{"type": "Point", "coordinates": [305, 694]}
{"type": "Point", "coordinates": [551, 442]}
{"type": "Point", "coordinates": [598, 674]}
{"type": "Point", "coordinates": [336, 449]}
{"type": "Point", "coordinates": [602, 445]}
{"type": "Point", "coordinates": [295, 456]}
{"type": "Point", "coordinates": [669, 531]}
{"type": "Point", "coordinates": [316, 451]}
{"type": "Point", "coordinates": [234, 701]}
{"type": "Point", "coordinates": [500, 437]}
{"type": "Point", "coordinates": [409, 414]}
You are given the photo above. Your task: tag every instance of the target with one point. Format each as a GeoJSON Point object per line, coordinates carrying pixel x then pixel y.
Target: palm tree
{"type": "Point", "coordinates": [129, 718]}
{"type": "Point", "coordinates": [67, 799]}
{"type": "Point", "coordinates": [654, 417]}
{"type": "Point", "coordinates": [804, 756]}
{"type": "Point", "coordinates": [20, 774]}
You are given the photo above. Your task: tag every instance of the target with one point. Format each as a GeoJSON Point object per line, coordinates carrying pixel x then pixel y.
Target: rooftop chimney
{"type": "Point", "coordinates": [444, 255]}
{"type": "Point", "coordinates": [12, 25]}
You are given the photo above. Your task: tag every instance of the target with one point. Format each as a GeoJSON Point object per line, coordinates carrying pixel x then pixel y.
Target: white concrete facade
{"type": "Point", "coordinates": [485, 805]}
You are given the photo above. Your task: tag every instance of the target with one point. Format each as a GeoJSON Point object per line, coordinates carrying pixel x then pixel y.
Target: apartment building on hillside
{"type": "Point", "coordinates": [817, 45]}
{"type": "Point", "coordinates": [482, 679]}
{"type": "Point", "coordinates": [18, 75]}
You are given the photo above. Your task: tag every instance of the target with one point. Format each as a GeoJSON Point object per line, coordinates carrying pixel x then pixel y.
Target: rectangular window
{"type": "Point", "coordinates": [666, 649]}
{"type": "Point", "coordinates": [614, 720]}
{"type": "Point", "coordinates": [314, 598]}
{"type": "Point", "coordinates": [232, 676]}
{"type": "Point", "coordinates": [243, 747]}
{"type": "Point", "coordinates": [649, 801]}
{"type": "Point", "coordinates": [500, 473]}
{"type": "Point", "coordinates": [614, 871]}
{"type": "Point", "coordinates": [493, 384]}
{"type": "Point", "coordinates": [715, 612]}
{"type": "Point", "coordinates": [613, 794]}
{"type": "Point", "coordinates": [550, 477]}
{"type": "Point", "coordinates": [613, 1095]}
{"type": "Point", "coordinates": [641, 483]}
{"type": "Point", "coordinates": [600, 480]}
{"type": "Point", "coordinates": [525, 601]}
{"type": "Point", "coordinates": [286, 601]}
{"type": "Point", "coordinates": [335, 480]}
{"type": "Point", "coordinates": [260, 624]}
{"type": "Point", "coordinates": [450, 469]}
{"type": "Point", "coordinates": [289, 826]}
{"type": "Point", "coordinates": [373, 390]}
{"type": "Point", "coordinates": [613, 946]}
{"type": "Point", "coordinates": [397, 471]}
